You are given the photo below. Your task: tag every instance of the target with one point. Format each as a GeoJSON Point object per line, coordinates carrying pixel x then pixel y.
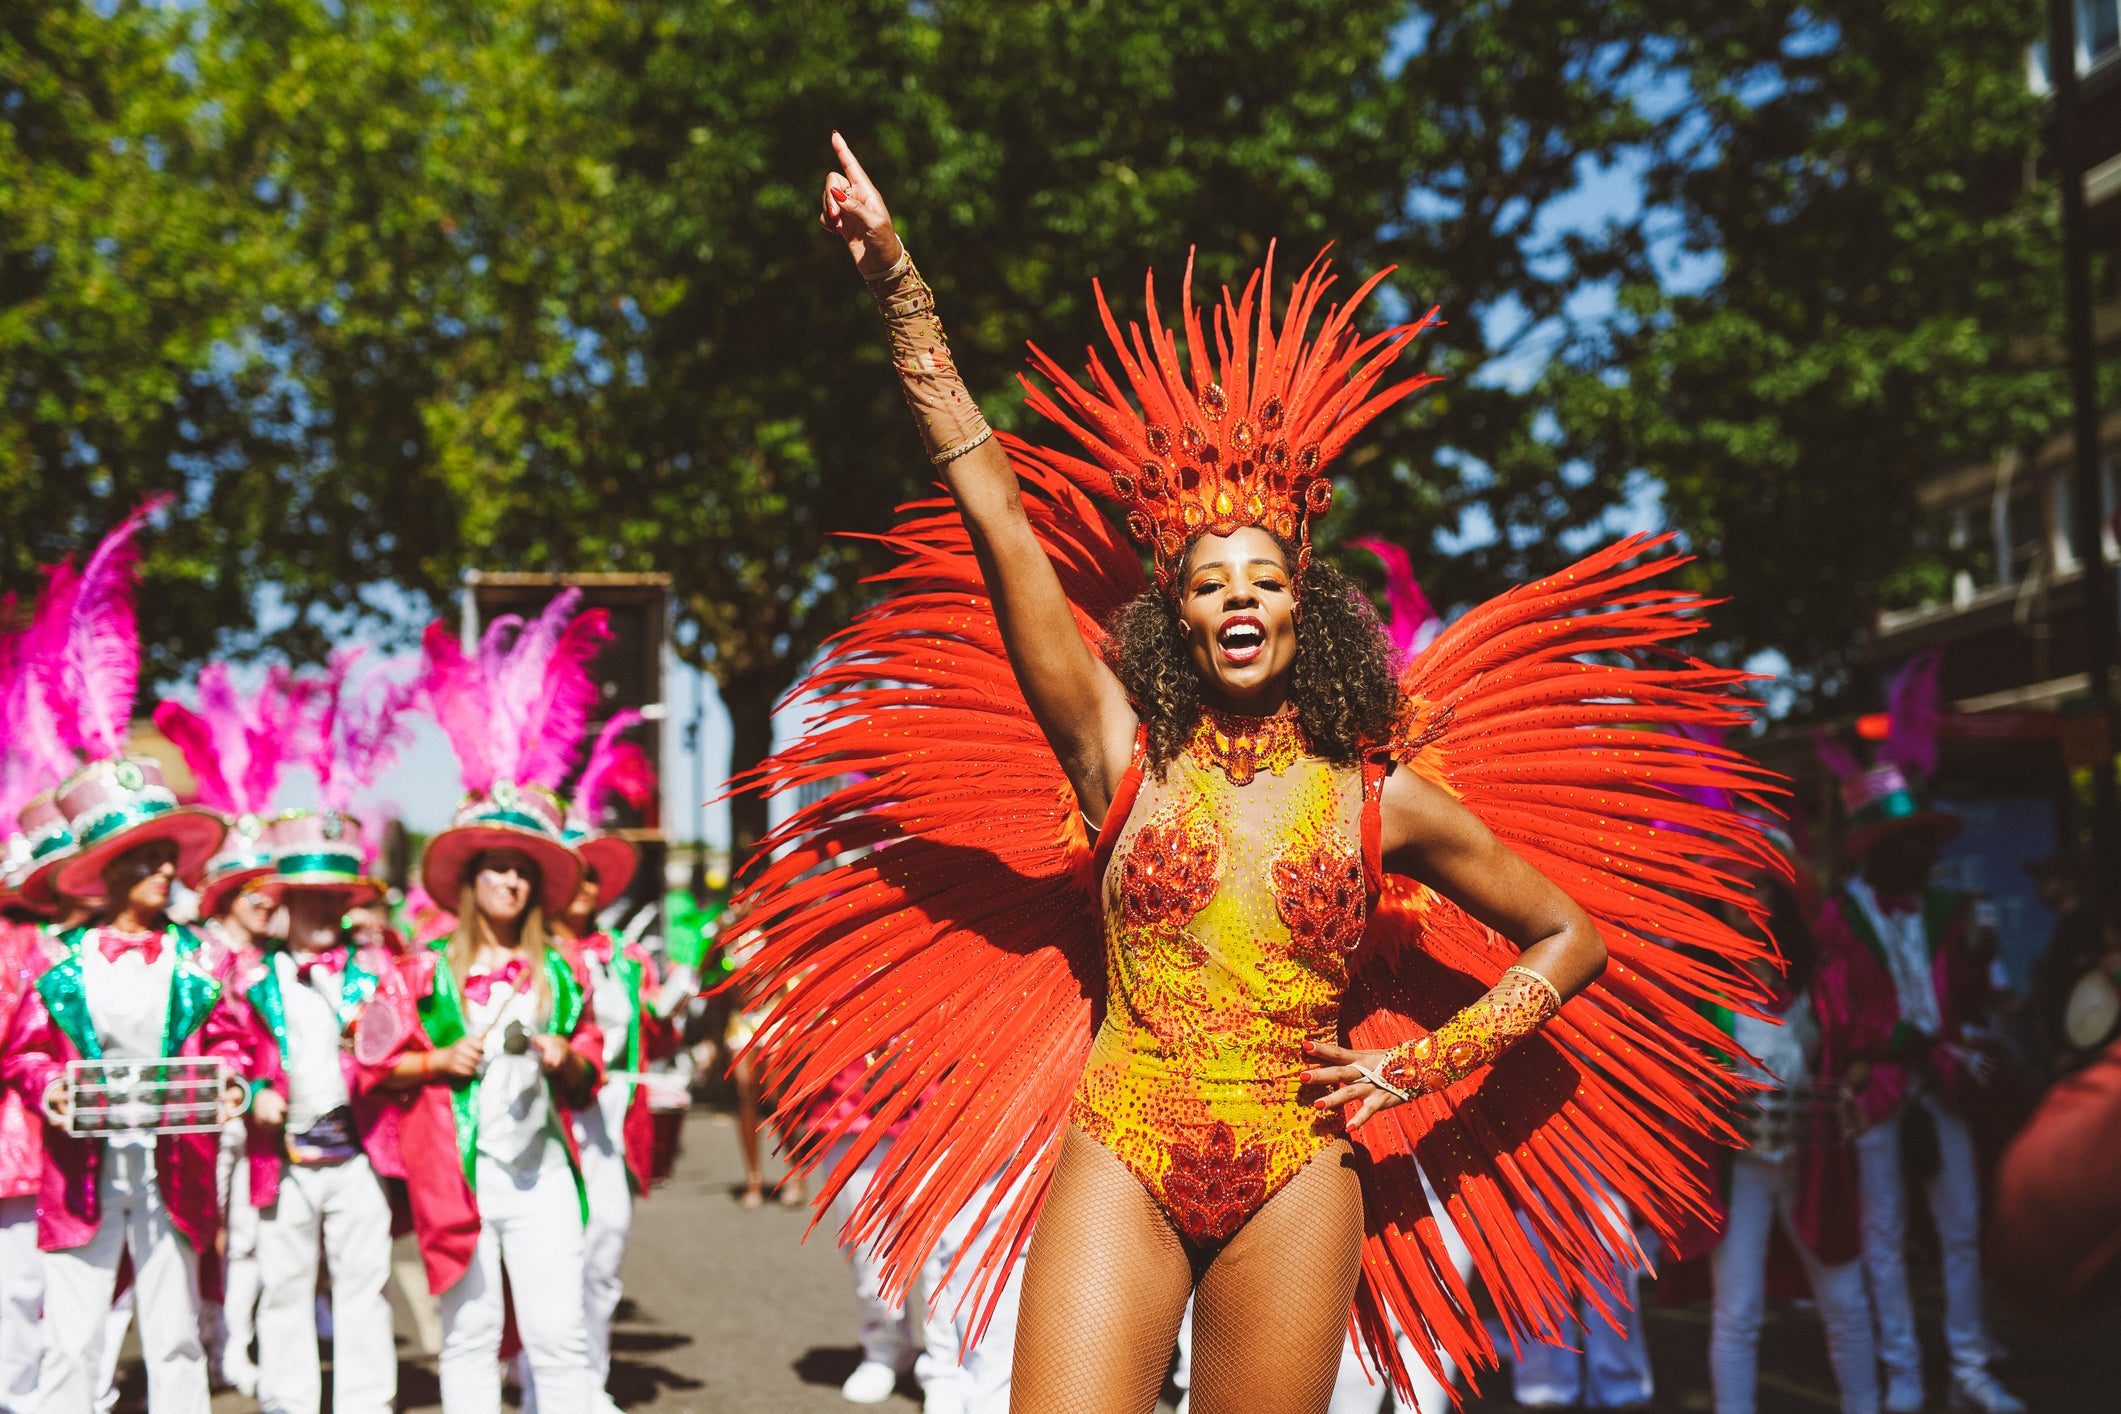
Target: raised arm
{"type": "Point", "coordinates": [1077, 701]}
{"type": "Point", "coordinates": [1431, 838]}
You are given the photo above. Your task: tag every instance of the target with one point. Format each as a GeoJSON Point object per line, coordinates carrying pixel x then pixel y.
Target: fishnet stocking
{"type": "Point", "coordinates": [1272, 1308]}
{"type": "Point", "coordinates": [1106, 1282]}
{"type": "Point", "coordinates": [1105, 1286]}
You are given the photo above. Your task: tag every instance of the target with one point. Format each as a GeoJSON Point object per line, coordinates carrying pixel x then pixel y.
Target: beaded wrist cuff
{"type": "Point", "coordinates": [1515, 1007]}
{"type": "Point", "coordinates": [950, 422]}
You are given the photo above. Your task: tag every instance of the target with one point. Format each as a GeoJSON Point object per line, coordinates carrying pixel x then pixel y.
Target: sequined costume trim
{"type": "Point", "coordinates": [1233, 898]}
{"type": "Point", "coordinates": [1518, 1004]}
{"type": "Point", "coordinates": [1240, 745]}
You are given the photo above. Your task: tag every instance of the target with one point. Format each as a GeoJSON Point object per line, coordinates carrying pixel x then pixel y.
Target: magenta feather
{"type": "Point", "coordinates": [615, 768]}
{"type": "Point", "coordinates": [1915, 706]}
{"type": "Point", "coordinates": [362, 724]}
{"type": "Point", "coordinates": [517, 709]}
{"type": "Point", "coordinates": [100, 673]}
{"type": "Point", "coordinates": [1835, 756]}
{"type": "Point", "coordinates": [1414, 623]}
{"type": "Point", "coordinates": [38, 718]}
{"type": "Point", "coordinates": [237, 746]}
{"type": "Point", "coordinates": [18, 774]}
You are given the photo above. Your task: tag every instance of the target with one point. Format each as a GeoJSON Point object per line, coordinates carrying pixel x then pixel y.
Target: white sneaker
{"type": "Point", "coordinates": [1977, 1392]}
{"type": "Point", "coordinates": [1903, 1394]}
{"type": "Point", "coordinates": [871, 1383]}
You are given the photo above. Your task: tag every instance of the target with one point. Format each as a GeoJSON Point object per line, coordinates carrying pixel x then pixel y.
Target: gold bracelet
{"type": "Point", "coordinates": [951, 454]}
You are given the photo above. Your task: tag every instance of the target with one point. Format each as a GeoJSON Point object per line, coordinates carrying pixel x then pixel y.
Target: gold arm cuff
{"type": "Point", "coordinates": [1552, 990]}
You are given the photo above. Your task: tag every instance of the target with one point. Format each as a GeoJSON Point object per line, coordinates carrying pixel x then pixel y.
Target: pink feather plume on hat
{"type": "Point", "coordinates": [1915, 711]}
{"type": "Point", "coordinates": [235, 746]}
{"type": "Point", "coordinates": [99, 664]}
{"type": "Point", "coordinates": [615, 768]}
{"type": "Point", "coordinates": [362, 724]}
{"type": "Point", "coordinates": [516, 709]}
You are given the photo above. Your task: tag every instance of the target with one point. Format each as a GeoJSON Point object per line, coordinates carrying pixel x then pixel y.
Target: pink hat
{"type": "Point", "coordinates": [522, 819]}
{"type": "Point", "coordinates": [121, 803]}
{"type": "Point", "coordinates": [318, 850]}
{"type": "Point", "coordinates": [50, 844]}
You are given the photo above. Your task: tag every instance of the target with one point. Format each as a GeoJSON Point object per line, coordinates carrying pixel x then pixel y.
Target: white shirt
{"type": "Point", "coordinates": [614, 1013]}
{"type": "Point", "coordinates": [316, 1083]}
{"type": "Point", "coordinates": [128, 1003]}
{"type": "Point", "coordinates": [1786, 1053]}
{"type": "Point", "coordinates": [515, 1108]}
{"type": "Point", "coordinates": [1907, 956]}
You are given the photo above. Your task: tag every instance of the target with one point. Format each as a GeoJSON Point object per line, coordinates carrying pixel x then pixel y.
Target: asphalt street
{"type": "Point", "coordinates": [730, 1312]}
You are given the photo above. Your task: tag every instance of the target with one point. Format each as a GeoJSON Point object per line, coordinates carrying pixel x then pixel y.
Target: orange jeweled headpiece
{"type": "Point", "coordinates": [1242, 443]}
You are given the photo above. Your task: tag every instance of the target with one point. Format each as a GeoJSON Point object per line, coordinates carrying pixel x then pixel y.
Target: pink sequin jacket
{"type": "Point", "coordinates": [1859, 1019]}
{"type": "Point", "coordinates": [22, 957]}
{"type": "Point", "coordinates": [49, 1029]}
{"type": "Point", "coordinates": [375, 1119]}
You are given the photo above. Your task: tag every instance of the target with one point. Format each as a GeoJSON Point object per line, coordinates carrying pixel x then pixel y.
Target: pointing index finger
{"type": "Point", "coordinates": [848, 163]}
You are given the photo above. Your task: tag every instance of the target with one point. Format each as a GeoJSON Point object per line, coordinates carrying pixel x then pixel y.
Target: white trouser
{"type": "Point", "coordinates": [78, 1282]}
{"type": "Point", "coordinates": [1760, 1193]}
{"type": "Point", "coordinates": [532, 1225]}
{"type": "Point", "coordinates": [21, 1304]}
{"type": "Point", "coordinates": [888, 1333]}
{"type": "Point", "coordinates": [241, 1280]}
{"type": "Point", "coordinates": [1613, 1369]}
{"type": "Point", "coordinates": [115, 1325]}
{"type": "Point", "coordinates": [341, 1208]}
{"type": "Point", "coordinates": [1355, 1392]}
{"type": "Point", "coordinates": [958, 1377]}
{"type": "Point", "coordinates": [1955, 1206]}
{"type": "Point", "coordinates": [604, 1244]}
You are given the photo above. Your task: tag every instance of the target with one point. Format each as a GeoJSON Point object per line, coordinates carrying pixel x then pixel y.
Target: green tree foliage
{"type": "Point", "coordinates": [122, 313]}
{"type": "Point", "coordinates": [1858, 171]}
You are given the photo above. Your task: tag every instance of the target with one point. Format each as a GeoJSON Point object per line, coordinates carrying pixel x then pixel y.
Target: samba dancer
{"type": "Point", "coordinates": [1253, 773]}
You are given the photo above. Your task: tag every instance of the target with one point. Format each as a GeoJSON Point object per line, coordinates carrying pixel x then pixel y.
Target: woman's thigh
{"type": "Point", "coordinates": [1105, 1284]}
{"type": "Point", "coordinates": [1272, 1309]}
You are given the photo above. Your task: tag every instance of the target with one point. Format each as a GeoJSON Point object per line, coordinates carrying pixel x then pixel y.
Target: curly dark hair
{"type": "Point", "coordinates": [1344, 682]}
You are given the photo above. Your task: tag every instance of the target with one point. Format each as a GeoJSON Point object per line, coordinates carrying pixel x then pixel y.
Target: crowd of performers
{"type": "Point", "coordinates": [478, 1085]}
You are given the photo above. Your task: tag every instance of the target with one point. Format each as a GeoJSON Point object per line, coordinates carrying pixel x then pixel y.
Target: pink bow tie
{"type": "Point", "coordinates": [599, 946]}
{"type": "Point", "coordinates": [331, 960]}
{"type": "Point", "coordinates": [116, 945]}
{"type": "Point", "coordinates": [478, 987]}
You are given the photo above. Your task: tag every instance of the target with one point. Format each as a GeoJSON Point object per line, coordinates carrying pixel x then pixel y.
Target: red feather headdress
{"type": "Point", "coordinates": [1241, 441]}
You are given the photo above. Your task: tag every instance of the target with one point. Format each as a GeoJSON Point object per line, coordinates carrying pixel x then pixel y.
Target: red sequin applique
{"type": "Point", "coordinates": [1170, 874]}
{"type": "Point", "coordinates": [1213, 1186]}
{"type": "Point", "coordinates": [1320, 896]}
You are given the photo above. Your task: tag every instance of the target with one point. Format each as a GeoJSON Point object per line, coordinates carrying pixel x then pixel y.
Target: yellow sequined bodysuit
{"type": "Point", "coordinates": [1234, 893]}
